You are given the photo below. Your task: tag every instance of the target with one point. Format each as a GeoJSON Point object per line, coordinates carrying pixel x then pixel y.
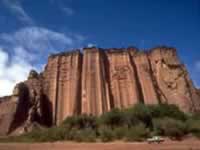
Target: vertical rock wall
{"type": "Point", "coordinates": [69, 80]}
{"type": "Point", "coordinates": [123, 87]}
{"type": "Point", "coordinates": [8, 107]}
{"type": "Point", "coordinates": [95, 96]}
{"type": "Point", "coordinates": [50, 76]}
{"type": "Point", "coordinates": [105, 79]}
{"type": "Point", "coordinates": [172, 79]}
{"type": "Point", "coordinates": [94, 82]}
{"type": "Point", "coordinates": [145, 78]}
{"type": "Point", "coordinates": [62, 84]}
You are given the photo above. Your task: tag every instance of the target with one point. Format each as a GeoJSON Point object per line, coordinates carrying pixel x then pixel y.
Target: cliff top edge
{"type": "Point", "coordinates": [112, 50]}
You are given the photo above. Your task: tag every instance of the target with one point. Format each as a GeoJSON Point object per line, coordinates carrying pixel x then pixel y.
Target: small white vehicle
{"type": "Point", "coordinates": [155, 139]}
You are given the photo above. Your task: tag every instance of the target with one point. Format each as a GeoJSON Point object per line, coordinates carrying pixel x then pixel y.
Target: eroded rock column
{"type": "Point", "coordinates": [145, 78]}
{"type": "Point", "coordinates": [8, 107]}
{"type": "Point", "coordinates": [69, 80]}
{"type": "Point", "coordinates": [50, 76]}
{"type": "Point", "coordinates": [173, 80]}
{"type": "Point", "coordinates": [95, 96]}
{"type": "Point", "coordinates": [62, 84]}
{"type": "Point", "coordinates": [123, 85]}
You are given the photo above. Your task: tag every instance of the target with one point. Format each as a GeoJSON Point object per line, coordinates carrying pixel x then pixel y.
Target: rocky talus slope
{"type": "Point", "coordinates": [94, 82]}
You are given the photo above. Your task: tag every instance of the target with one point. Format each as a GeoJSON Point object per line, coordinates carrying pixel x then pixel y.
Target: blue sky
{"type": "Point", "coordinates": [32, 29]}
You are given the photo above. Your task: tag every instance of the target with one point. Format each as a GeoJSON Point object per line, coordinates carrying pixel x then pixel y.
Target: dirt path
{"type": "Point", "coordinates": [168, 145]}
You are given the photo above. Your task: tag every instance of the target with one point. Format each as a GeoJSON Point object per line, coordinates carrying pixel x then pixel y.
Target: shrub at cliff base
{"type": "Point", "coordinates": [139, 113]}
{"type": "Point", "coordinates": [193, 126]}
{"type": "Point", "coordinates": [137, 133]}
{"type": "Point", "coordinates": [132, 124]}
{"type": "Point", "coordinates": [48, 135]}
{"type": "Point", "coordinates": [169, 127]}
{"type": "Point", "coordinates": [114, 118]}
{"type": "Point", "coordinates": [82, 135]}
{"type": "Point", "coordinates": [167, 110]}
{"type": "Point", "coordinates": [106, 134]}
{"type": "Point", "coordinates": [195, 116]}
{"type": "Point", "coordinates": [40, 135]}
{"type": "Point", "coordinates": [120, 132]}
{"type": "Point", "coordinates": [80, 122]}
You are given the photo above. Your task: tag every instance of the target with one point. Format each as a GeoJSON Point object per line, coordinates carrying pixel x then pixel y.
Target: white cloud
{"type": "Point", "coordinates": [37, 38]}
{"type": "Point", "coordinates": [68, 11]}
{"type": "Point", "coordinates": [38, 41]}
{"type": "Point", "coordinates": [194, 72]}
{"type": "Point", "coordinates": [3, 61]}
{"type": "Point", "coordinates": [13, 72]}
{"type": "Point", "coordinates": [28, 47]}
{"type": "Point", "coordinates": [91, 45]}
{"type": "Point", "coordinates": [197, 66]}
{"type": "Point", "coordinates": [5, 87]}
{"type": "Point", "coordinates": [17, 9]}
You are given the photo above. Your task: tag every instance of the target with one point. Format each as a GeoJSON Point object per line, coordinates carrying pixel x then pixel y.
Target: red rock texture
{"type": "Point", "coordinates": [94, 92]}
{"type": "Point", "coordinates": [122, 80]}
{"type": "Point", "coordinates": [62, 84]}
{"type": "Point", "coordinates": [172, 79]}
{"type": "Point", "coordinates": [198, 91]}
{"type": "Point", "coordinates": [8, 107]}
{"type": "Point", "coordinates": [144, 72]}
{"type": "Point", "coordinates": [94, 82]}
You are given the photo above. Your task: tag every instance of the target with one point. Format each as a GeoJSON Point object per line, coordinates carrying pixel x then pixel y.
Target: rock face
{"type": "Point", "coordinates": [173, 83]}
{"type": "Point", "coordinates": [94, 82]}
{"type": "Point", "coordinates": [144, 71]}
{"type": "Point", "coordinates": [8, 107]}
{"type": "Point", "coordinates": [122, 80]}
{"type": "Point", "coordinates": [198, 91]}
{"type": "Point", "coordinates": [94, 92]}
{"type": "Point", "coordinates": [62, 84]}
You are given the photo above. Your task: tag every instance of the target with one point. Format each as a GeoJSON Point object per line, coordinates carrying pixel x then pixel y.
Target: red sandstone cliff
{"type": "Point", "coordinates": [62, 84]}
{"type": "Point", "coordinates": [95, 82]}
{"type": "Point", "coordinates": [94, 93]}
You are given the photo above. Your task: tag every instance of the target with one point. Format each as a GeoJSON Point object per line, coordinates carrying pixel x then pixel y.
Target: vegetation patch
{"type": "Point", "coordinates": [133, 124]}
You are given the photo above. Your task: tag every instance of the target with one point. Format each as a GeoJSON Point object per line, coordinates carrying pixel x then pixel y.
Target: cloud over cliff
{"type": "Point", "coordinates": [28, 47]}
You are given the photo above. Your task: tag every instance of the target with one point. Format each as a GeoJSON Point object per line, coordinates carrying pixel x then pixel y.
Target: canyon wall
{"type": "Point", "coordinates": [94, 82]}
{"type": "Point", "coordinates": [62, 84]}
{"type": "Point", "coordinates": [8, 107]}
{"type": "Point", "coordinates": [122, 80]}
{"type": "Point", "coordinates": [95, 94]}
{"type": "Point", "coordinates": [172, 79]}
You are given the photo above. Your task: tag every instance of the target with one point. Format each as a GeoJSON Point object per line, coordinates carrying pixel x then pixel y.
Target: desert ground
{"type": "Point", "coordinates": [189, 144]}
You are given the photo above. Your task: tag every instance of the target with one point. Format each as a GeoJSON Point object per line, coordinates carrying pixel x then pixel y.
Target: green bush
{"type": "Point", "coordinates": [169, 127]}
{"type": "Point", "coordinates": [51, 134]}
{"type": "Point", "coordinates": [120, 132]}
{"type": "Point", "coordinates": [132, 124]}
{"type": "Point", "coordinates": [40, 135]}
{"type": "Point", "coordinates": [167, 110]}
{"type": "Point", "coordinates": [106, 134]}
{"type": "Point", "coordinates": [137, 114]}
{"type": "Point", "coordinates": [80, 122]}
{"type": "Point", "coordinates": [112, 119]}
{"type": "Point", "coordinates": [83, 135]}
{"type": "Point", "coordinates": [70, 122]}
{"type": "Point", "coordinates": [195, 116]}
{"type": "Point", "coordinates": [137, 133]}
{"type": "Point", "coordinates": [193, 126]}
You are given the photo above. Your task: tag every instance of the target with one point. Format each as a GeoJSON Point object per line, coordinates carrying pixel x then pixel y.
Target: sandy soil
{"type": "Point", "coordinates": [191, 144]}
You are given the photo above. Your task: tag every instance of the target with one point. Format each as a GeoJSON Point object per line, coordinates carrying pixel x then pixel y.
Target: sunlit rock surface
{"type": "Point", "coordinates": [95, 81]}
